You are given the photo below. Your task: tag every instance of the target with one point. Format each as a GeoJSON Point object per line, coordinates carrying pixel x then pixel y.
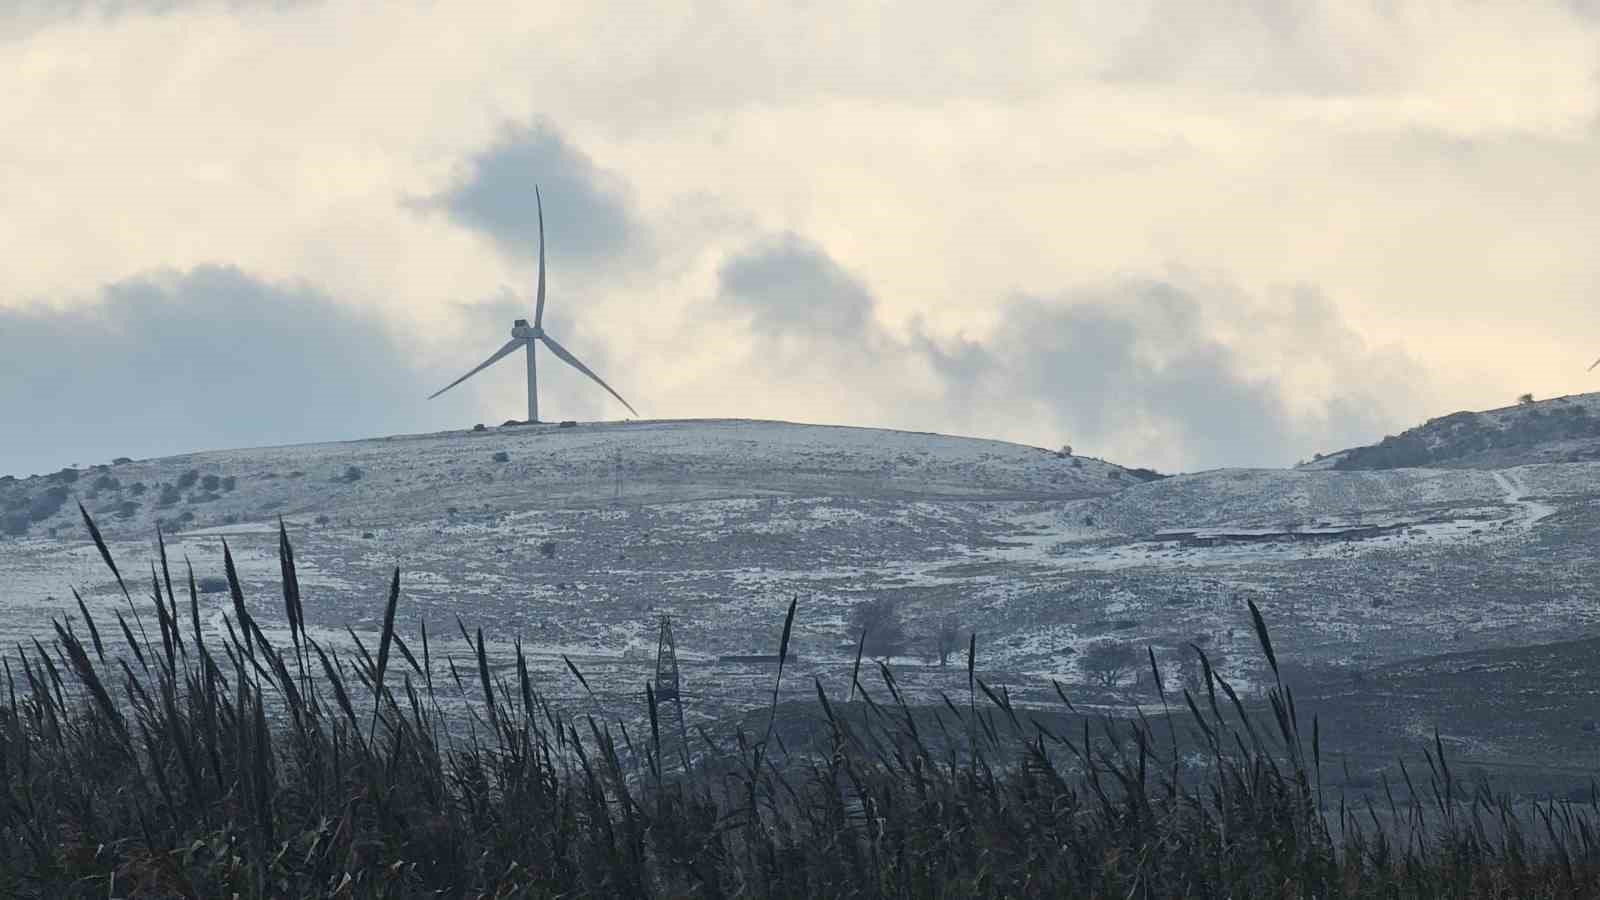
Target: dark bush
{"type": "Point", "coordinates": [879, 618]}
{"type": "Point", "coordinates": [351, 475]}
{"type": "Point", "coordinates": [229, 483]}
{"type": "Point", "coordinates": [210, 483]}
{"type": "Point", "coordinates": [502, 456]}
{"type": "Point", "coordinates": [547, 549]}
{"type": "Point", "coordinates": [126, 509]}
{"type": "Point", "coordinates": [65, 476]}
{"type": "Point", "coordinates": [137, 488]}
{"type": "Point", "coordinates": [169, 496]}
{"type": "Point", "coordinates": [1107, 662]}
{"type": "Point", "coordinates": [187, 479]}
{"type": "Point", "coordinates": [121, 461]}
{"type": "Point", "coordinates": [48, 503]}
{"type": "Point", "coordinates": [15, 523]}
{"type": "Point", "coordinates": [212, 584]}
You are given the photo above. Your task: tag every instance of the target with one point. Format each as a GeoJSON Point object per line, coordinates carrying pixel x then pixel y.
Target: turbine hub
{"type": "Point", "coordinates": [521, 329]}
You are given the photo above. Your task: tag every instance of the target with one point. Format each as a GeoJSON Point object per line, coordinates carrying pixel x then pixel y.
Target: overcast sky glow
{"type": "Point", "coordinates": [1182, 235]}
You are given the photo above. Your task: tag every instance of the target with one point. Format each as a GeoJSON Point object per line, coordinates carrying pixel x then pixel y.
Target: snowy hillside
{"type": "Point", "coordinates": [1565, 429]}
{"type": "Point", "coordinates": [576, 540]}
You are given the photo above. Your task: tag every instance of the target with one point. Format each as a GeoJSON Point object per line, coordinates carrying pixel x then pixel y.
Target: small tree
{"type": "Point", "coordinates": [1525, 399]}
{"type": "Point", "coordinates": [1106, 662]}
{"type": "Point", "coordinates": [946, 638]}
{"type": "Point", "coordinates": [879, 618]}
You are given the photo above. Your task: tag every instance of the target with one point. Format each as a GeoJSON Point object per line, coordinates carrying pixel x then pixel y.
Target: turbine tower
{"type": "Point", "coordinates": [528, 336]}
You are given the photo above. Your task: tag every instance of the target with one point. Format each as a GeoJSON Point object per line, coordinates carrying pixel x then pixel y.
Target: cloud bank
{"type": "Point", "coordinates": [175, 362]}
{"type": "Point", "coordinates": [1180, 373]}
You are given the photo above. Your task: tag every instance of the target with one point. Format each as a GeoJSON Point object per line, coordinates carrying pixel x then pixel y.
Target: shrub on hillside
{"type": "Point", "coordinates": [1106, 662]}
{"type": "Point", "coordinates": [187, 479]}
{"type": "Point", "coordinates": [879, 619]}
{"type": "Point", "coordinates": [48, 503]}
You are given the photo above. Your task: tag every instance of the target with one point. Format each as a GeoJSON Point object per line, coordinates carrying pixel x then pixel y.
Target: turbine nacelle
{"type": "Point", "coordinates": [521, 329]}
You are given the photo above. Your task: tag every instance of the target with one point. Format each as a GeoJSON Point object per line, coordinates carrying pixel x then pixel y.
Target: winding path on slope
{"type": "Point", "coordinates": [1528, 512]}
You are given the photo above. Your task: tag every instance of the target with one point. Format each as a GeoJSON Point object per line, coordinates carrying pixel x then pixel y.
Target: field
{"type": "Point", "coordinates": [241, 767]}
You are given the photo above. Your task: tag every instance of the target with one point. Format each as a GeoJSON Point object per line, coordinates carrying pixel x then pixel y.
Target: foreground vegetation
{"type": "Point", "coordinates": [209, 768]}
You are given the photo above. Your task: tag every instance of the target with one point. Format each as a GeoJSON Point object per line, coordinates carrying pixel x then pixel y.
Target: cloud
{"type": "Point", "coordinates": [787, 284]}
{"type": "Point", "coordinates": [1181, 372]}
{"type": "Point", "coordinates": [494, 196]}
{"type": "Point", "coordinates": [175, 362]}
{"type": "Point", "coordinates": [1181, 376]}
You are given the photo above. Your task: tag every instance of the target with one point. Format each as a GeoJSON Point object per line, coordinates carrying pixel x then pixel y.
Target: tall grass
{"type": "Point", "coordinates": [204, 767]}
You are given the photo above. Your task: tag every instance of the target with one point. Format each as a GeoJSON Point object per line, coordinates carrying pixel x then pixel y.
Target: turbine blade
{"type": "Point", "coordinates": [1593, 364]}
{"type": "Point", "coordinates": [538, 312]}
{"type": "Point", "coordinates": [572, 361]}
{"type": "Point", "coordinates": [511, 345]}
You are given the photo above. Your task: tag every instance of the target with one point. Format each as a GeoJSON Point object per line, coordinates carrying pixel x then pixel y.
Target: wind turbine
{"type": "Point", "coordinates": [525, 335]}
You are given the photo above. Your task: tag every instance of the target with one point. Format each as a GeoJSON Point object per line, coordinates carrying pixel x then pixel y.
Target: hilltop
{"type": "Point", "coordinates": [516, 467]}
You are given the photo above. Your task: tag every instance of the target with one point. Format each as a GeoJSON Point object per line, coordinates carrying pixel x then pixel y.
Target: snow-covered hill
{"type": "Point", "coordinates": [577, 540]}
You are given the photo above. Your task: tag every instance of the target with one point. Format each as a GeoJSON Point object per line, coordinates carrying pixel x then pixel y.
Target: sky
{"type": "Point", "coordinates": [1179, 235]}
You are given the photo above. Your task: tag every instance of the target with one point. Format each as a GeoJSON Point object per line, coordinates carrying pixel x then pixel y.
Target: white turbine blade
{"type": "Point", "coordinates": [1593, 364]}
{"type": "Point", "coordinates": [511, 345]}
{"type": "Point", "coordinates": [538, 311]}
{"type": "Point", "coordinates": [572, 361]}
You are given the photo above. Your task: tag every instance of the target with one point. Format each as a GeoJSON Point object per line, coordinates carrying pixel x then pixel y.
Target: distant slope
{"type": "Point", "coordinates": [1565, 429]}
